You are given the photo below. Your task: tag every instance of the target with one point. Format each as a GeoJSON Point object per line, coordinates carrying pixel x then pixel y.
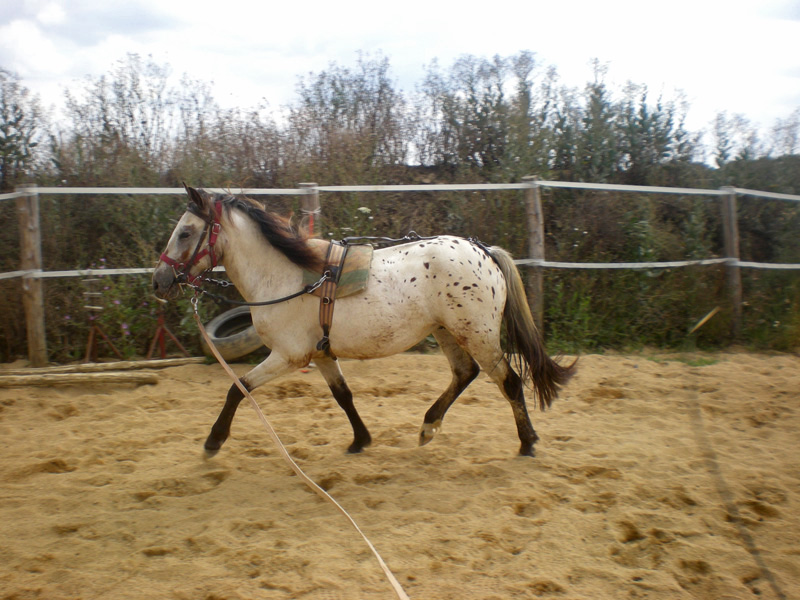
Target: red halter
{"type": "Point", "coordinates": [211, 229]}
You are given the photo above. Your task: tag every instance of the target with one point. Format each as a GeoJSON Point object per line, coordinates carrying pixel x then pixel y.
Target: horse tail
{"type": "Point", "coordinates": [524, 346]}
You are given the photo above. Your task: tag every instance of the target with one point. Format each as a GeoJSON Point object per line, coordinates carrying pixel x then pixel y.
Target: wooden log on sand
{"type": "Point", "coordinates": [110, 366]}
{"type": "Point", "coordinates": [54, 379]}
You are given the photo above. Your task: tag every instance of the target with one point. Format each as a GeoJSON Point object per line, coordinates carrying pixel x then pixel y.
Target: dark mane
{"type": "Point", "coordinates": [279, 231]}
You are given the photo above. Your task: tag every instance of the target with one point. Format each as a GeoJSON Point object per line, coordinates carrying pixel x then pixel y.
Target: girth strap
{"type": "Point", "coordinates": [337, 251]}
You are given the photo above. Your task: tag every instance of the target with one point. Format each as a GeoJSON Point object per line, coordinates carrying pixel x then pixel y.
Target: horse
{"type": "Point", "coordinates": [461, 291]}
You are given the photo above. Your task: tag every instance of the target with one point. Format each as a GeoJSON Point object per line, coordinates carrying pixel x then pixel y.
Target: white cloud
{"type": "Point", "coordinates": [25, 49]}
{"type": "Point", "coordinates": [734, 55]}
{"type": "Point", "coordinates": [51, 14]}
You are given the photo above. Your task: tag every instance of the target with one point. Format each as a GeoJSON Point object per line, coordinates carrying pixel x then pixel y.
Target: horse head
{"type": "Point", "coordinates": [191, 250]}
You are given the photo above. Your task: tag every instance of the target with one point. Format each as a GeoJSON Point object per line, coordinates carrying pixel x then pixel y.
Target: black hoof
{"type": "Point", "coordinates": [212, 446]}
{"type": "Point", "coordinates": [353, 449]}
{"type": "Point", "coordinates": [526, 450]}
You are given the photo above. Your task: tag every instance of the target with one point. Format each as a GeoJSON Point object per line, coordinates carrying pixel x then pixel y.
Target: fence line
{"type": "Point", "coordinates": [523, 262]}
{"type": "Point", "coordinates": [126, 191]}
{"type": "Point", "coordinates": [31, 272]}
{"type": "Point", "coordinates": [448, 187]}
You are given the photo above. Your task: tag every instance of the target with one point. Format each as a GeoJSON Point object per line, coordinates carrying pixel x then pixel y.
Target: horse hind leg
{"type": "Point", "coordinates": [511, 386]}
{"type": "Point", "coordinates": [332, 373]}
{"type": "Point", "coordinates": [464, 369]}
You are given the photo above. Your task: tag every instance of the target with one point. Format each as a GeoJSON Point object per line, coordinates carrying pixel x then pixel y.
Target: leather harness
{"type": "Point", "coordinates": [326, 286]}
{"type": "Point", "coordinates": [334, 260]}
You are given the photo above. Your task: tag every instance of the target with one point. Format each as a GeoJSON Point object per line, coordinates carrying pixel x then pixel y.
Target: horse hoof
{"type": "Point", "coordinates": [211, 447]}
{"type": "Point", "coordinates": [527, 451]}
{"type": "Point", "coordinates": [428, 431]}
{"type": "Point", "coordinates": [353, 449]}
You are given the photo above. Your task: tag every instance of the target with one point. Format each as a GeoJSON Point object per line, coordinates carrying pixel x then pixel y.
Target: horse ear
{"type": "Point", "coordinates": [195, 196]}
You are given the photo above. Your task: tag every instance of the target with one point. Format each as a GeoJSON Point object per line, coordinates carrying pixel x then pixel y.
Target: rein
{"type": "Point", "coordinates": [213, 227]}
{"type": "Point", "coordinates": [211, 231]}
{"type": "Point", "coordinates": [309, 289]}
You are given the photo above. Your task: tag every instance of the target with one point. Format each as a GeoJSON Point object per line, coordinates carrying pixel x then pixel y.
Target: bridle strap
{"type": "Point", "coordinates": [211, 232]}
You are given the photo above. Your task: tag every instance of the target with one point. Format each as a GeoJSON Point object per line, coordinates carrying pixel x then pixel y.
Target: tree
{"type": "Point", "coordinates": [598, 152]}
{"type": "Point", "coordinates": [21, 119]}
{"type": "Point", "coordinates": [647, 135]}
{"type": "Point", "coordinates": [121, 126]}
{"type": "Point", "coordinates": [349, 118]}
{"type": "Point", "coordinates": [785, 139]}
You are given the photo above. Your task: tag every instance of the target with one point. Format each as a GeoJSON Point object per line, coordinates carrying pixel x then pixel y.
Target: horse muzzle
{"type": "Point", "coordinates": [165, 282]}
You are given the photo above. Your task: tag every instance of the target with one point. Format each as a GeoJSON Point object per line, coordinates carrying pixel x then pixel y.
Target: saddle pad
{"type": "Point", "coordinates": [355, 272]}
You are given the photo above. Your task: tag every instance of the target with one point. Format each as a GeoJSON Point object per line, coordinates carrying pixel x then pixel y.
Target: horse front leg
{"type": "Point", "coordinates": [272, 367]}
{"type": "Point", "coordinates": [329, 367]}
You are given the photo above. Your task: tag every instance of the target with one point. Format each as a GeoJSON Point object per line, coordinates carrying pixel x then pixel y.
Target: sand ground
{"type": "Point", "coordinates": [657, 476]}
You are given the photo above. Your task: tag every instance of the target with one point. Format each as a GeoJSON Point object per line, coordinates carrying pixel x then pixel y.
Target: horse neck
{"type": "Point", "coordinates": [255, 267]}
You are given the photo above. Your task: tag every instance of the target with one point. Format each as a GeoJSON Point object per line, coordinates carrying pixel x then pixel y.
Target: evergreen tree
{"type": "Point", "coordinates": [21, 120]}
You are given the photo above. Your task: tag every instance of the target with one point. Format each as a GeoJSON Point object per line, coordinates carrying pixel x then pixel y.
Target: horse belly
{"type": "Point", "coordinates": [416, 288]}
{"type": "Point", "coordinates": [372, 326]}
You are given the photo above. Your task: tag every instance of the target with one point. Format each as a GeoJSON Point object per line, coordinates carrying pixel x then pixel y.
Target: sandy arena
{"type": "Point", "coordinates": [653, 479]}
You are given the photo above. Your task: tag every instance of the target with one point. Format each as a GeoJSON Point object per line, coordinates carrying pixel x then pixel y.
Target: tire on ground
{"type": "Point", "coordinates": [233, 334]}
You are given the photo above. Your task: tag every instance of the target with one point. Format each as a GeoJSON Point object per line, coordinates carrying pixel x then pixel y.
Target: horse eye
{"type": "Point", "coordinates": [183, 235]}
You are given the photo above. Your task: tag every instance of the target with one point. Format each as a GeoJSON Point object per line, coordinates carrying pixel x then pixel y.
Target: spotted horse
{"type": "Point", "coordinates": [462, 292]}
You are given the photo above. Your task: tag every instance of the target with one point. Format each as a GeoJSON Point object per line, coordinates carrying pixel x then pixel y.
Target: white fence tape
{"type": "Point", "coordinates": [424, 188]}
{"type": "Point", "coordinates": [524, 262]}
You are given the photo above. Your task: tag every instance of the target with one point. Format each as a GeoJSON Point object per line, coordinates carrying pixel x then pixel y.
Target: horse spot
{"type": "Point", "coordinates": [466, 288]}
{"type": "Point", "coordinates": [427, 265]}
{"type": "Point", "coordinates": [456, 283]}
{"type": "Point", "coordinates": [492, 291]}
{"type": "Point", "coordinates": [474, 285]}
{"type": "Point", "coordinates": [459, 306]}
{"type": "Point", "coordinates": [413, 279]}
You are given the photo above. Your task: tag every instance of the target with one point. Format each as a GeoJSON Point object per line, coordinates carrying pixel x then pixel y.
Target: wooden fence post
{"type": "Point", "coordinates": [733, 275]}
{"type": "Point", "coordinates": [31, 260]}
{"type": "Point", "coordinates": [309, 204]}
{"type": "Point", "coordinates": [533, 201]}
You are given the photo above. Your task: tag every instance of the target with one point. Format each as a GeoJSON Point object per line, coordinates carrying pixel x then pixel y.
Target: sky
{"type": "Point", "coordinates": [737, 56]}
